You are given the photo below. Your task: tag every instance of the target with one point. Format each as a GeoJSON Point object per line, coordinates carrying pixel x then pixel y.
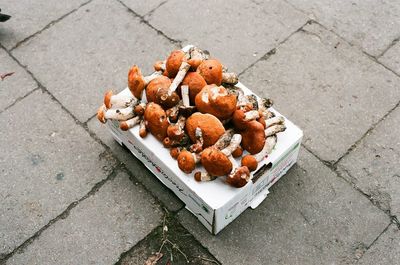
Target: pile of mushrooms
{"type": "Point", "coordinates": [190, 103]}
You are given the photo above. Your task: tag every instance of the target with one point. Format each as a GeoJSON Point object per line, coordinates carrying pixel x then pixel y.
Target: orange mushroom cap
{"type": "Point", "coordinates": [174, 62]}
{"type": "Point", "coordinates": [210, 126]}
{"type": "Point", "coordinates": [217, 101]}
{"type": "Point", "coordinates": [239, 178]}
{"type": "Point", "coordinates": [215, 162]}
{"type": "Point", "coordinates": [136, 82]}
{"type": "Point", "coordinates": [250, 162]}
{"type": "Point", "coordinates": [253, 138]}
{"type": "Point", "coordinates": [156, 121]}
{"type": "Point", "coordinates": [211, 71]}
{"type": "Point", "coordinates": [186, 161]}
{"type": "Point", "coordinates": [161, 82]}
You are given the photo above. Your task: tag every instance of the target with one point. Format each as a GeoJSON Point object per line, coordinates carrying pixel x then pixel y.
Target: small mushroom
{"type": "Point", "coordinates": [197, 56]}
{"type": "Point", "coordinates": [156, 120]}
{"type": "Point", "coordinates": [210, 126]}
{"type": "Point", "coordinates": [211, 70]}
{"type": "Point", "coordinates": [215, 162]}
{"type": "Point", "coordinates": [136, 81]}
{"type": "Point", "coordinates": [128, 124]}
{"type": "Point", "coordinates": [139, 109]}
{"type": "Point", "coordinates": [218, 162]}
{"type": "Point", "coordinates": [238, 152]}
{"type": "Point", "coordinates": [174, 62]}
{"type": "Point", "coordinates": [239, 177]}
{"type": "Point", "coordinates": [217, 101]}
{"type": "Point", "coordinates": [168, 97]}
{"type": "Point", "coordinates": [251, 161]}
{"type": "Point", "coordinates": [203, 176]}
{"type": "Point", "coordinates": [253, 137]}
{"type": "Point", "coordinates": [176, 131]}
{"type": "Point", "coordinates": [159, 66]}
{"type": "Point", "coordinates": [161, 82]}
{"type": "Point", "coordinates": [118, 101]}
{"type": "Point", "coordinates": [175, 151]}
{"type": "Point", "coordinates": [123, 114]}
{"type": "Point", "coordinates": [187, 161]}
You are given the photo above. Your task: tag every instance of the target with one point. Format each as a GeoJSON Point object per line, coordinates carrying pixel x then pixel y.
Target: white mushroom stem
{"type": "Point", "coordinates": [119, 114]}
{"type": "Point", "coordinates": [203, 176]}
{"type": "Point", "coordinates": [198, 146]}
{"type": "Point", "coordinates": [179, 77]}
{"type": "Point", "coordinates": [142, 128]}
{"type": "Point", "coordinates": [251, 115]}
{"type": "Point", "coordinates": [229, 78]}
{"type": "Point", "coordinates": [274, 129]}
{"type": "Point", "coordinates": [181, 124]}
{"type": "Point", "coordinates": [242, 99]}
{"type": "Point", "coordinates": [196, 158]}
{"type": "Point", "coordinates": [128, 124]}
{"type": "Point", "coordinates": [274, 121]}
{"type": "Point", "coordinates": [196, 53]}
{"type": "Point", "coordinates": [234, 163]}
{"type": "Point", "coordinates": [224, 139]}
{"type": "Point", "coordinates": [119, 100]}
{"type": "Point", "coordinates": [267, 149]}
{"type": "Point", "coordinates": [149, 78]}
{"type": "Point", "coordinates": [235, 142]}
{"type": "Point", "coordinates": [185, 95]}
{"type": "Point", "coordinates": [263, 104]}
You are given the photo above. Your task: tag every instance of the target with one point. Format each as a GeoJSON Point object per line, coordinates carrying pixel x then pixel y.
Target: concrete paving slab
{"type": "Point", "coordinates": [391, 58]}
{"type": "Point", "coordinates": [237, 33]}
{"type": "Point", "coordinates": [137, 169]}
{"type": "Point", "coordinates": [47, 162]}
{"type": "Point", "coordinates": [311, 216]}
{"type": "Point", "coordinates": [386, 250]}
{"type": "Point", "coordinates": [29, 17]}
{"type": "Point", "coordinates": [371, 25]}
{"type": "Point", "coordinates": [331, 90]}
{"type": "Point", "coordinates": [143, 7]}
{"type": "Point", "coordinates": [91, 51]}
{"type": "Point", "coordinates": [374, 165]}
{"type": "Point", "coordinates": [15, 86]}
{"type": "Point", "coordinates": [98, 230]}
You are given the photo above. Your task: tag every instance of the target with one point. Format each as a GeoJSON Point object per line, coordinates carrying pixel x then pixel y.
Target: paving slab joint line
{"type": "Point", "coordinates": [334, 169]}
{"type": "Point", "coordinates": [49, 25]}
{"type": "Point", "coordinates": [170, 218]}
{"type": "Point", "coordinates": [19, 99]}
{"type": "Point", "coordinates": [356, 46]}
{"type": "Point", "coordinates": [373, 242]}
{"type": "Point", "coordinates": [271, 52]}
{"type": "Point", "coordinates": [150, 13]}
{"type": "Point", "coordinates": [144, 21]}
{"type": "Point", "coordinates": [393, 43]}
{"type": "Point", "coordinates": [353, 146]}
{"type": "Point", "coordinates": [62, 215]}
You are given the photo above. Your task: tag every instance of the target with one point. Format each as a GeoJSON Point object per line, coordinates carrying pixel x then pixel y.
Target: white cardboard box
{"type": "Point", "coordinates": [214, 203]}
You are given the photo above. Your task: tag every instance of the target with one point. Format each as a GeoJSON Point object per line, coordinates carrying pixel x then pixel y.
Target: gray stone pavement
{"type": "Point", "coordinates": [71, 195]}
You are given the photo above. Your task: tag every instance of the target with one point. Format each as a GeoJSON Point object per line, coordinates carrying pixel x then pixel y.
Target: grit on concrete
{"type": "Point", "coordinates": [71, 195]}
